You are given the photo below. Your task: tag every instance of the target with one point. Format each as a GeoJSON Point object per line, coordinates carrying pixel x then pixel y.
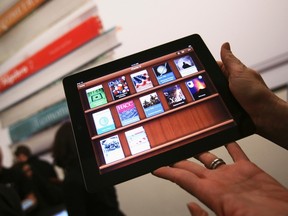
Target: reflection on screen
{"type": "Point", "coordinates": [62, 213]}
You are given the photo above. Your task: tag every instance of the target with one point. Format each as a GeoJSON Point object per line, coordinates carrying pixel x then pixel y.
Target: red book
{"type": "Point", "coordinates": [65, 44]}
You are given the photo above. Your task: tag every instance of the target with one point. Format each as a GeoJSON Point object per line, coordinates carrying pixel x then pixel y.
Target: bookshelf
{"type": "Point", "coordinates": [166, 113]}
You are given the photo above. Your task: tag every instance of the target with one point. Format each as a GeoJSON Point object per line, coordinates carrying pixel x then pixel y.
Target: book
{"type": "Point", "coordinates": [103, 121]}
{"type": "Point", "coordinates": [112, 149]}
{"type": "Point", "coordinates": [164, 73]}
{"type": "Point", "coordinates": [17, 12]}
{"type": "Point", "coordinates": [185, 65]}
{"type": "Point", "coordinates": [137, 140]}
{"type": "Point", "coordinates": [105, 42]}
{"type": "Point", "coordinates": [39, 121]}
{"type": "Point", "coordinates": [73, 39]}
{"type": "Point", "coordinates": [151, 104]}
{"type": "Point", "coordinates": [36, 23]}
{"type": "Point", "coordinates": [141, 80]}
{"type": "Point", "coordinates": [6, 4]}
{"type": "Point", "coordinates": [119, 88]}
{"type": "Point", "coordinates": [127, 112]}
{"type": "Point", "coordinates": [55, 93]}
{"type": "Point", "coordinates": [51, 94]}
{"type": "Point", "coordinates": [174, 96]}
{"type": "Point", "coordinates": [197, 87]}
{"type": "Point", "coordinates": [41, 141]}
{"type": "Point", "coordinates": [51, 34]}
{"type": "Point", "coordinates": [96, 96]}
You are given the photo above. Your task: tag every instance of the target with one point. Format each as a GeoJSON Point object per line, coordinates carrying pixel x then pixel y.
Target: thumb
{"type": "Point", "coordinates": [196, 210]}
{"type": "Point", "coordinates": [232, 66]}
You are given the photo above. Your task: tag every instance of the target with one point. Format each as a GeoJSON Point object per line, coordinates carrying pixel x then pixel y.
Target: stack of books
{"type": "Point", "coordinates": [41, 42]}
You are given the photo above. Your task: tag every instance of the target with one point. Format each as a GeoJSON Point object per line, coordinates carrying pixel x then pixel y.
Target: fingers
{"type": "Point", "coordinates": [207, 159]}
{"type": "Point", "coordinates": [187, 173]}
{"type": "Point", "coordinates": [220, 64]}
{"type": "Point", "coordinates": [233, 149]}
{"type": "Point", "coordinates": [232, 66]}
{"type": "Point", "coordinates": [172, 174]}
{"type": "Point", "coordinates": [190, 166]}
{"type": "Point", "coordinates": [178, 170]}
{"type": "Point", "coordinates": [226, 46]}
{"type": "Point", "coordinates": [185, 179]}
{"type": "Point", "coordinates": [236, 152]}
{"type": "Point", "coordinates": [165, 173]}
{"type": "Point", "coordinates": [196, 210]}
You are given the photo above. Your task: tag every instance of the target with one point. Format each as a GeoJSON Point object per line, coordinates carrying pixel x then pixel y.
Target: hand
{"type": "Point", "coordinates": [246, 85]}
{"type": "Point", "coordinates": [241, 188]}
{"type": "Point", "coordinates": [264, 107]}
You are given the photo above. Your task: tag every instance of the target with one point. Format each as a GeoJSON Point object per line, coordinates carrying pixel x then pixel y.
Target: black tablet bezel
{"type": "Point", "coordinates": [92, 178]}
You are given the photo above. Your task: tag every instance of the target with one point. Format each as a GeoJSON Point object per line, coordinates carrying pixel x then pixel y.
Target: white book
{"type": "Point", "coordinates": [137, 140]}
{"type": "Point", "coordinates": [100, 45]}
{"type": "Point", "coordinates": [112, 149]}
{"type": "Point", "coordinates": [44, 98]}
{"type": "Point", "coordinates": [103, 121]}
{"type": "Point", "coordinates": [48, 36]}
{"type": "Point", "coordinates": [34, 24]}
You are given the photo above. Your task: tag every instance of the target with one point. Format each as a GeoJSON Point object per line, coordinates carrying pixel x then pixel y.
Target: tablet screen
{"type": "Point", "coordinates": [151, 109]}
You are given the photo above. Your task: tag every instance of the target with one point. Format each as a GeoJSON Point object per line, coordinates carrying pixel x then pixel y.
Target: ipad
{"type": "Point", "coordinates": [151, 109]}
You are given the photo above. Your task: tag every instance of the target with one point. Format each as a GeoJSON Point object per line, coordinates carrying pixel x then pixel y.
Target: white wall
{"type": "Point", "coordinates": [257, 31]}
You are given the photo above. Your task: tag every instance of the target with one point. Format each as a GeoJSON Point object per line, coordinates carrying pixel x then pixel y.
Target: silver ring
{"type": "Point", "coordinates": [215, 163]}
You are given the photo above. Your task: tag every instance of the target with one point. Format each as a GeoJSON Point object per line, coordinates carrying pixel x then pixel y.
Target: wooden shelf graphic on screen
{"type": "Point", "coordinates": [164, 114]}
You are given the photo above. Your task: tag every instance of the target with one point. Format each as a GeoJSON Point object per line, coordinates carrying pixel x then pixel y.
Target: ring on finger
{"type": "Point", "coordinates": [216, 163]}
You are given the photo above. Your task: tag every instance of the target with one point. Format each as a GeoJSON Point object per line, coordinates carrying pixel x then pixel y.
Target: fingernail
{"type": "Point", "coordinates": [227, 45]}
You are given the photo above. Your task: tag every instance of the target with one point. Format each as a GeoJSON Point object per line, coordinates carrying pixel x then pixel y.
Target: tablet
{"type": "Point", "coordinates": [151, 109]}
